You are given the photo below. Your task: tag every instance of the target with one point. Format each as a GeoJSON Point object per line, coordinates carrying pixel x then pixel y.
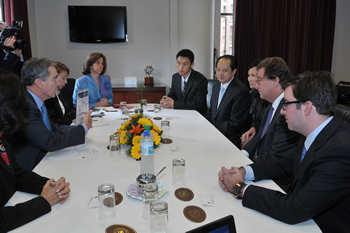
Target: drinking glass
{"type": "Point", "coordinates": [114, 145]}
{"type": "Point", "coordinates": [106, 198]}
{"type": "Point", "coordinates": [149, 194]}
{"type": "Point", "coordinates": [159, 216]}
{"type": "Point", "coordinates": [179, 172]}
{"type": "Point", "coordinates": [165, 125]}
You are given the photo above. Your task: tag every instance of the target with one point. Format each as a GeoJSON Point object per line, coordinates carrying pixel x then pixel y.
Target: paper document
{"type": "Point", "coordinates": [80, 152]}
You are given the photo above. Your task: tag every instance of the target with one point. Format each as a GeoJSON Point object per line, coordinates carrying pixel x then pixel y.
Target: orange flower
{"type": "Point", "coordinates": [136, 130]}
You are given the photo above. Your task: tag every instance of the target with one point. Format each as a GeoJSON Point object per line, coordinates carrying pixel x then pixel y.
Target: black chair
{"type": "Point", "coordinates": [66, 94]}
{"type": "Point", "coordinates": [343, 111]}
{"type": "Point", "coordinates": [343, 89]}
{"type": "Point", "coordinates": [211, 82]}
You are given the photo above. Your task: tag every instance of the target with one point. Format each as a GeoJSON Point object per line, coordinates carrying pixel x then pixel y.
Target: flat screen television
{"type": "Point", "coordinates": [97, 24]}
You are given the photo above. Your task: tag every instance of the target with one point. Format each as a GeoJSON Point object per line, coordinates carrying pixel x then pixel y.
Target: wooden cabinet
{"type": "Point", "coordinates": [152, 94]}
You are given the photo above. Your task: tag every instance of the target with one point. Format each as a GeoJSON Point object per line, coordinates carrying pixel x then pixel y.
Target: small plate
{"type": "Point", "coordinates": [132, 190]}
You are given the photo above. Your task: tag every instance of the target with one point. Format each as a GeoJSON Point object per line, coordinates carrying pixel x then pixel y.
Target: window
{"type": "Point", "coordinates": [2, 17]}
{"type": "Point", "coordinates": [226, 27]}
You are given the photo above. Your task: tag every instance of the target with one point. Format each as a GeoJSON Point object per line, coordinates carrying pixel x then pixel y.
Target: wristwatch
{"type": "Point", "coordinates": [236, 190]}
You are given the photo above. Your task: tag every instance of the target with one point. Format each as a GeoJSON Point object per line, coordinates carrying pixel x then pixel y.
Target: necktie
{"type": "Point", "coordinates": [221, 94]}
{"type": "Point", "coordinates": [184, 88]}
{"type": "Point", "coordinates": [303, 154]}
{"type": "Point", "coordinates": [45, 117]}
{"type": "Point", "coordinates": [267, 123]}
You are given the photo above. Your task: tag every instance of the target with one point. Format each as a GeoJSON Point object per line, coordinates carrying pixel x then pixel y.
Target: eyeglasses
{"type": "Point", "coordinates": [284, 104]}
{"type": "Point", "coordinates": [258, 80]}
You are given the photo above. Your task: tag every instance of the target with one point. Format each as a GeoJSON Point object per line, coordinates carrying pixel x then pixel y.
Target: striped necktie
{"type": "Point", "coordinates": [184, 88]}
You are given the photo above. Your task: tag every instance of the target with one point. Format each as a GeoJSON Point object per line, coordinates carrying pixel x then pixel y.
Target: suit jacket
{"type": "Point", "coordinates": [277, 141]}
{"type": "Point", "coordinates": [11, 62]}
{"type": "Point", "coordinates": [55, 112]}
{"type": "Point", "coordinates": [257, 109]}
{"type": "Point", "coordinates": [15, 178]}
{"type": "Point", "coordinates": [34, 140]}
{"type": "Point", "coordinates": [232, 116]}
{"type": "Point", "coordinates": [321, 187]}
{"type": "Point", "coordinates": [195, 93]}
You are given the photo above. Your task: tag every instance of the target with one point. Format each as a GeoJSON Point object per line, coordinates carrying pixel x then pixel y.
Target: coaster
{"type": "Point", "coordinates": [166, 141]}
{"type": "Point", "coordinates": [157, 118]}
{"type": "Point", "coordinates": [119, 228]}
{"type": "Point", "coordinates": [151, 110]}
{"type": "Point", "coordinates": [184, 194]}
{"type": "Point", "coordinates": [125, 118]}
{"type": "Point", "coordinates": [118, 198]}
{"type": "Point", "coordinates": [194, 213]}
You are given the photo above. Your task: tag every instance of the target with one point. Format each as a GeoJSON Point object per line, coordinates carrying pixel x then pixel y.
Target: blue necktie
{"type": "Point", "coordinates": [267, 123]}
{"type": "Point", "coordinates": [221, 94]}
{"type": "Point", "coordinates": [303, 154]}
{"type": "Point", "coordinates": [45, 117]}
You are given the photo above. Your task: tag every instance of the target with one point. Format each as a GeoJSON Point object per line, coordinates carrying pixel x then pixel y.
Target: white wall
{"type": "Point", "coordinates": [157, 30]}
{"type": "Point", "coordinates": [341, 49]}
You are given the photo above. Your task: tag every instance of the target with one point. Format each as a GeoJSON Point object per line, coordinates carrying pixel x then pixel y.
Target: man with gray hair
{"type": "Point", "coordinates": [39, 135]}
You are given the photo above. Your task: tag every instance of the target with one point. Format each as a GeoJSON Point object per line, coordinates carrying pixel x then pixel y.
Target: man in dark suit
{"type": "Point", "coordinates": [189, 88]}
{"type": "Point", "coordinates": [274, 139]}
{"type": "Point", "coordinates": [12, 176]}
{"type": "Point", "coordinates": [230, 101]}
{"type": "Point", "coordinates": [39, 135]}
{"type": "Point", "coordinates": [319, 165]}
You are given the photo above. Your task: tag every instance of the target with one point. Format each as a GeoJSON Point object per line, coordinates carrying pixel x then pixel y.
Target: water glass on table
{"type": "Point", "coordinates": [149, 194]}
{"type": "Point", "coordinates": [106, 198]}
{"type": "Point", "coordinates": [165, 126]}
{"type": "Point", "coordinates": [179, 172]}
{"type": "Point", "coordinates": [159, 216]}
{"type": "Point", "coordinates": [114, 145]}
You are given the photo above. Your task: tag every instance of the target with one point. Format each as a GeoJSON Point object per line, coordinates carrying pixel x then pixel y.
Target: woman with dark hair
{"type": "Point", "coordinates": [258, 106]}
{"type": "Point", "coordinates": [57, 109]}
{"type": "Point", "coordinates": [99, 85]}
{"type": "Point", "coordinates": [12, 176]}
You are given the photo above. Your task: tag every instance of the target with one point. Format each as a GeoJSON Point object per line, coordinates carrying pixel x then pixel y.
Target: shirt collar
{"type": "Point", "coordinates": [37, 100]}
{"type": "Point", "coordinates": [226, 84]}
{"type": "Point", "coordinates": [183, 80]}
{"type": "Point", "coordinates": [311, 137]}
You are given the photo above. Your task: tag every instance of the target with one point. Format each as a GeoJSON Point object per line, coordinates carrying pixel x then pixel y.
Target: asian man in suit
{"type": "Point", "coordinates": [230, 101]}
{"type": "Point", "coordinates": [39, 135]}
{"type": "Point", "coordinates": [189, 88]}
{"type": "Point", "coordinates": [319, 165]}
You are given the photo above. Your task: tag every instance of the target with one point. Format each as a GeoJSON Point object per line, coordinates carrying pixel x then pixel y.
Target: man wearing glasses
{"type": "Point", "coordinates": [274, 139]}
{"type": "Point", "coordinates": [319, 165]}
{"type": "Point", "coordinates": [39, 135]}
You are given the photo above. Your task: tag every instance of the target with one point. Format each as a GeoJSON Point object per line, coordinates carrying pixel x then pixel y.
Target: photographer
{"type": "Point", "coordinates": [10, 60]}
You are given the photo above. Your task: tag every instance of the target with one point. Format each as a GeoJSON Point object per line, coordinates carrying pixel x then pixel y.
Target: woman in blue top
{"type": "Point", "coordinates": [99, 85]}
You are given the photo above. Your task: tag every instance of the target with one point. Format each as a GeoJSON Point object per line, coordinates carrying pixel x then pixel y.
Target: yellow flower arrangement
{"type": "Point", "coordinates": [130, 134]}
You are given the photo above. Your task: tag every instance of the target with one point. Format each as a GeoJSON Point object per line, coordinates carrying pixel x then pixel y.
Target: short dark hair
{"type": "Point", "coordinates": [233, 61]}
{"type": "Point", "coordinates": [254, 63]}
{"type": "Point", "coordinates": [186, 53]}
{"type": "Point", "coordinates": [36, 68]}
{"type": "Point", "coordinates": [319, 88]}
{"type": "Point", "coordinates": [275, 67]}
{"type": "Point", "coordinates": [91, 59]}
{"type": "Point", "coordinates": [12, 101]}
{"type": "Point", "coordinates": [61, 67]}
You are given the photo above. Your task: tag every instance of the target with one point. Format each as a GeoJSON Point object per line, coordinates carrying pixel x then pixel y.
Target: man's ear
{"type": "Point", "coordinates": [277, 81]}
{"type": "Point", "coordinates": [234, 71]}
{"type": "Point", "coordinates": [38, 82]}
{"type": "Point", "coordinates": [192, 64]}
{"type": "Point", "coordinates": [308, 108]}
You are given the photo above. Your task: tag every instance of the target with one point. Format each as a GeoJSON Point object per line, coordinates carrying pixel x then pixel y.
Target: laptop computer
{"type": "Point", "coordinates": [222, 225]}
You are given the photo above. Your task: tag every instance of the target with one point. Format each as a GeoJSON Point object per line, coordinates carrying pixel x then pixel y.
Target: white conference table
{"type": "Point", "coordinates": [203, 147]}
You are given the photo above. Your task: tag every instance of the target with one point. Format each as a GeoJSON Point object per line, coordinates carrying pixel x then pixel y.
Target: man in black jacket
{"type": "Point", "coordinates": [189, 88]}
